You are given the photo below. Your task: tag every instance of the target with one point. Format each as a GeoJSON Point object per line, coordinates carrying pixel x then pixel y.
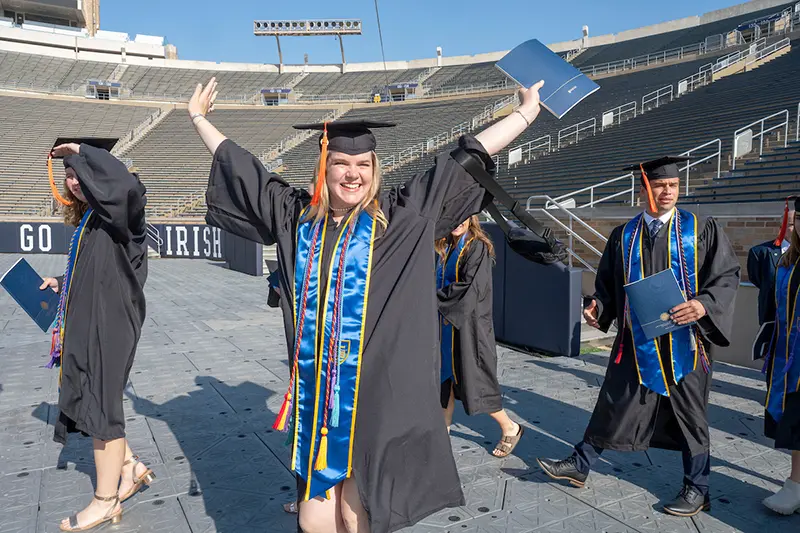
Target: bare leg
{"type": "Point", "coordinates": [108, 457]}
{"type": "Point", "coordinates": [795, 467]}
{"type": "Point", "coordinates": [353, 514]}
{"type": "Point", "coordinates": [451, 407]}
{"type": "Point", "coordinates": [507, 426]}
{"type": "Point", "coordinates": [129, 471]}
{"type": "Point", "coordinates": [322, 516]}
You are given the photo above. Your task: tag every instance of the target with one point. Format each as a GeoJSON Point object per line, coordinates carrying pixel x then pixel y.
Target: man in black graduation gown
{"type": "Point", "coordinates": [762, 262]}
{"type": "Point", "coordinates": [628, 415]}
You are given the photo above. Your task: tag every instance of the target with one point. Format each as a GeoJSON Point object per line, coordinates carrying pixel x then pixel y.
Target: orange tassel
{"type": "Point", "coordinates": [323, 166]}
{"type": "Point", "coordinates": [283, 414]}
{"type": "Point", "coordinates": [651, 202]}
{"type": "Point", "coordinates": [784, 225]}
{"type": "Point", "coordinates": [322, 456]}
{"type": "Point", "coordinates": [61, 199]}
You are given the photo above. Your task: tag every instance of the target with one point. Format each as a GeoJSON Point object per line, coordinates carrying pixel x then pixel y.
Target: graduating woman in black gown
{"type": "Point", "coordinates": [782, 417]}
{"type": "Point", "coordinates": [355, 267]}
{"type": "Point", "coordinates": [469, 355]}
{"type": "Point", "coordinates": [100, 320]}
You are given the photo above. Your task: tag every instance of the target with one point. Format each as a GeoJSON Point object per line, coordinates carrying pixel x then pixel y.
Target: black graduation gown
{"type": "Point", "coordinates": [786, 433]}
{"type": "Point", "coordinates": [629, 416]}
{"type": "Point", "coordinates": [762, 262]}
{"type": "Point", "coordinates": [106, 307]}
{"type": "Point", "coordinates": [402, 460]}
{"type": "Point", "coordinates": [467, 305]}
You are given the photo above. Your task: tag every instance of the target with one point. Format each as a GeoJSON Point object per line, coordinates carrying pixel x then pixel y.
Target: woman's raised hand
{"type": "Point", "coordinates": [63, 150]}
{"type": "Point", "coordinates": [202, 101]}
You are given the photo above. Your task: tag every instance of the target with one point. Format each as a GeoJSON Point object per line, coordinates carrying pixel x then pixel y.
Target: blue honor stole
{"type": "Point", "coordinates": [447, 273]}
{"type": "Point", "coordinates": [327, 364]}
{"type": "Point", "coordinates": [57, 341]}
{"type": "Point", "coordinates": [684, 344]}
{"type": "Point", "coordinates": [785, 377]}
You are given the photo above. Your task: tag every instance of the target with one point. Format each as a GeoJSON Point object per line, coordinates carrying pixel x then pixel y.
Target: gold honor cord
{"type": "Point", "coordinates": [56, 194]}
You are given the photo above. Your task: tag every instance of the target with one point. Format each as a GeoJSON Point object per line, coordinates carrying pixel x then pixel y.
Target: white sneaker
{"type": "Point", "coordinates": [787, 500]}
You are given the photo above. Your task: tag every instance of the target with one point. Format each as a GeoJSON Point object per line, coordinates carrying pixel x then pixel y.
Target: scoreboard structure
{"type": "Point", "coordinates": [306, 28]}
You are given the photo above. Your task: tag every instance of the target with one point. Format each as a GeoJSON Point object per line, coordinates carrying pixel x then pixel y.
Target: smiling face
{"type": "Point", "coordinates": [73, 185]}
{"type": "Point", "coordinates": [665, 193]}
{"type": "Point", "coordinates": [349, 178]}
{"type": "Point", "coordinates": [461, 229]}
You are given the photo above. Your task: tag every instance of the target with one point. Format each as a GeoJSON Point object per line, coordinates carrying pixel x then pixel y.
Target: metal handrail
{"type": "Point", "coordinates": [543, 141]}
{"type": "Point", "coordinates": [591, 188]}
{"type": "Point", "coordinates": [656, 96]}
{"type": "Point", "coordinates": [762, 133]}
{"type": "Point", "coordinates": [579, 127]}
{"type": "Point", "coordinates": [701, 78]}
{"type": "Point", "coordinates": [645, 59]}
{"type": "Point", "coordinates": [764, 52]}
{"type": "Point", "coordinates": [618, 112]}
{"type": "Point", "coordinates": [797, 125]}
{"type": "Point", "coordinates": [688, 153]}
{"type": "Point", "coordinates": [466, 89]}
{"type": "Point", "coordinates": [570, 232]}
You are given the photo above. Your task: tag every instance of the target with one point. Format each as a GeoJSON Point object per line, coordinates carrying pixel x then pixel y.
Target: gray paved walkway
{"type": "Point", "coordinates": [210, 373]}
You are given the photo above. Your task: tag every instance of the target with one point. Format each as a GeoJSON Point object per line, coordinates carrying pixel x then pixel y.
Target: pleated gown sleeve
{"type": "Point", "coordinates": [606, 290]}
{"type": "Point", "coordinates": [106, 303]}
{"type": "Point", "coordinates": [719, 281]}
{"type": "Point", "coordinates": [467, 304]}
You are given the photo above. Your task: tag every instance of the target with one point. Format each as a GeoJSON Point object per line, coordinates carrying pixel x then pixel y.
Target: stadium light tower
{"type": "Point", "coordinates": [305, 28]}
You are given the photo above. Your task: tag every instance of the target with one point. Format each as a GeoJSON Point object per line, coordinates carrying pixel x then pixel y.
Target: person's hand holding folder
{"type": "Point", "coordinates": [687, 312]}
{"type": "Point", "coordinates": [49, 282]}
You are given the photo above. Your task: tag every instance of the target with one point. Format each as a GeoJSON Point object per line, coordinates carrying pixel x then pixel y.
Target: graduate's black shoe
{"type": "Point", "coordinates": [566, 470]}
{"type": "Point", "coordinates": [689, 502]}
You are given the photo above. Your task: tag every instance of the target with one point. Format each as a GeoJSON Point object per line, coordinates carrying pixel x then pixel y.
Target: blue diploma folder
{"type": "Point", "coordinates": [650, 300]}
{"type": "Point", "coordinates": [564, 85]}
{"type": "Point", "coordinates": [22, 283]}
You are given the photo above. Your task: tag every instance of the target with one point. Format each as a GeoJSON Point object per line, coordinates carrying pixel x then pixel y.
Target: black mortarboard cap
{"type": "Point", "coordinates": [105, 143]}
{"type": "Point", "coordinates": [352, 137]}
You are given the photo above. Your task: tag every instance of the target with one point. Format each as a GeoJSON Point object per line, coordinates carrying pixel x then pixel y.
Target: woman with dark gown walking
{"type": "Point", "coordinates": [100, 317]}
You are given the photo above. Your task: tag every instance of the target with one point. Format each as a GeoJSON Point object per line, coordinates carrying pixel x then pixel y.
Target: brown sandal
{"type": "Point", "coordinates": [114, 518]}
{"type": "Point", "coordinates": [507, 444]}
{"type": "Point", "coordinates": [138, 482]}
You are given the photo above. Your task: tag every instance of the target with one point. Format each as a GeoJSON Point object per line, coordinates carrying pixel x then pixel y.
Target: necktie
{"type": "Point", "coordinates": [655, 225]}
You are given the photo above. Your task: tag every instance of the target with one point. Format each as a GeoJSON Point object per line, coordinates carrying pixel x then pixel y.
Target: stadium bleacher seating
{"type": "Point", "coordinates": [28, 129]}
{"type": "Point", "coordinates": [713, 111]}
{"type": "Point", "coordinates": [415, 123]}
{"type": "Point", "coordinates": [354, 82]}
{"type": "Point", "coordinates": [465, 76]}
{"type": "Point", "coordinates": [174, 163]}
{"type": "Point", "coordinates": [651, 44]}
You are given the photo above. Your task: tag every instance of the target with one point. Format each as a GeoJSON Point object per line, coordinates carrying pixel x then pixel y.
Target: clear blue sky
{"type": "Point", "coordinates": [222, 30]}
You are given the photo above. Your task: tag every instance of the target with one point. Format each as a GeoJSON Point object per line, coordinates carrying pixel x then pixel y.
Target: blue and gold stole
{"type": "Point", "coordinates": [57, 342]}
{"type": "Point", "coordinates": [684, 343]}
{"type": "Point", "coordinates": [326, 366]}
{"type": "Point", "coordinates": [785, 377]}
{"type": "Point", "coordinates": [447, 273]}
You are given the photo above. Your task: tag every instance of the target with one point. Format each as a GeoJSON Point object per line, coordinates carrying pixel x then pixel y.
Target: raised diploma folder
{"type": "Point", "coordinates": [22, 283]}
{"type": "Point", "coordinates": [564, 85]}
{"type": "Point", "coordinates": [651, 298]}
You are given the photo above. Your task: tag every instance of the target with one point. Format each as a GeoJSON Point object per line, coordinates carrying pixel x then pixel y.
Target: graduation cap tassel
{"type": "Point", "coordinates": [56, 194]}
{"type": "Point", "coordinates": [651, 202]}
{"type": "Point", "coordinates": [323, 166]}
{"type": "Point", "coordinates": [784, 225]}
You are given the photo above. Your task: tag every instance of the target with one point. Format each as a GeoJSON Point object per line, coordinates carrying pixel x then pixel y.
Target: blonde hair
{"type": "Point", "coordinates": [793, 253]}
{"type": "Point", "coordinates": [474, 231]}
{"type": "Point", "coordinates": [74, 212]}
{"type": "Point", "coordinates": [369, 203]}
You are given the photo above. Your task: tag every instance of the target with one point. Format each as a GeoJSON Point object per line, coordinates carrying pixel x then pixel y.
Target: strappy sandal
{"type": "Point", "coordinates": [290, 507]}
{"type": "Point", "coordinates": [507, 444]}
{"type": "Point", "coordinates": [114, 518]}
{"type": "Point", "coordinates": [138, 482]}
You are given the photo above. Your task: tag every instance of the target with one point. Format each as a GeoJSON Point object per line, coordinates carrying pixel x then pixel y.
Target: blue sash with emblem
{"type": "Point", "coordinates": [785, 377]}
{"type": "Point", "coordinates": [685, 346]}
{"type": "Point", "coordinates": [326, 366]}
{"type": "Point", "coordinates": [447, 273]}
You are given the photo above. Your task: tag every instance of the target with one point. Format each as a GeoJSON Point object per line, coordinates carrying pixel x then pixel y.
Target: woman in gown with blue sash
{"type": "Point", "coordinates": [100, 317]}
{"type": "Point", "coordinates": [361, 410]}
{"type": "Point", "coordinates": [469, 355]}
{"type": "Point", "coordinates": [782, 417]}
